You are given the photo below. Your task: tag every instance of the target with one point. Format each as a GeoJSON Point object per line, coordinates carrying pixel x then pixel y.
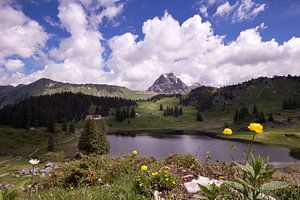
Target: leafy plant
{"type": "Point", "coordinates": [211, 192]}
{"type": "Point", "coordinates": [12, 193]}
{"type": "Point", "coordinates": [254, 185]}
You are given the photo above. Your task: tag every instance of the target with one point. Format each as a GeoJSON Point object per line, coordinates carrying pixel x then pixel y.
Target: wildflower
{"type": "Point", "coordinates": [167, 179]}
{"type": "Point", "coordinates": [227, 131]}
{"type": "Point", "coordinates": [154, 173]}
{"type": "Point", "coordinates": [256, 127]}
{"type": "Point", "coordinates": [71, 188]}
{"type": "Point", "coordinates": [173, 182]}
{"type": "Point", "coordinates": [166, 167]}
{"type": "Point", "coordinates": [34, 161]}
{"type": "Point", "coordinates": [221, 177]}
{"type": "Point", "coordinates": [134, 152]}
{"type": "Point", "coordinates": [144, 168]}
{"type": "Point", "coordinates": [141, 184]}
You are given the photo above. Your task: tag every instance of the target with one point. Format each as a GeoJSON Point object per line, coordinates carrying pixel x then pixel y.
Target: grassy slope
{"type": "Point", "coordinates": [46, 86]}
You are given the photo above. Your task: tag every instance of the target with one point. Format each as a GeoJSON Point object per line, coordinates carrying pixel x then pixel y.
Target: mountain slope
{"type": "Point", "coordinates": [169, 84]}
{"type": "Point", "coordinates": [47, 86]}
{"type": "Point", "coordinates": [267, 93]}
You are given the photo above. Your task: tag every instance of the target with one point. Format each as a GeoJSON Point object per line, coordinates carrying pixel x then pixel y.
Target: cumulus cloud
{"type": "Point", "coordinates": [78, 58]}
{"type": "Point", "coordinates": [19, 35]}
{"type": "Point", "coordinates": [193, 52]}
{"type": "Point", "coordinates": [190, 49]}
{"type": "Point", "coordinates": [14, 65]}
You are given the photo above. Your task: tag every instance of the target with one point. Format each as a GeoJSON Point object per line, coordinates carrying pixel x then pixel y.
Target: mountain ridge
{"type": "Point", "coordinates": [43, 86]}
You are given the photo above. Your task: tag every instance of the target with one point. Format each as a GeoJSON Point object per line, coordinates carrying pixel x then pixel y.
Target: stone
{"type": "Point", "coordinates": [193, 186]}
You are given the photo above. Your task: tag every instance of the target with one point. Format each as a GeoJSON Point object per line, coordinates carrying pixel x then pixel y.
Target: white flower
{"type": "Point", "coordinates": [34, 161]}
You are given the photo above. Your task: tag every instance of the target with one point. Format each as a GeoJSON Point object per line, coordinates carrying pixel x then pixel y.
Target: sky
{"type": "Point", "coordinates": [132, 42]}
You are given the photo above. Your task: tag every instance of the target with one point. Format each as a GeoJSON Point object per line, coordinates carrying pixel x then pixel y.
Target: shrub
{"type": "Point", "coordinates": [184, 161]}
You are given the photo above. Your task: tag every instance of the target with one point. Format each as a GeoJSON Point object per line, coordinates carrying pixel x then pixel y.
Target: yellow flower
{"type": "Point", "coordinates": [144, 168]}
{"type": "Point", "coordinates": [71, 188]}
{"type": "Point", "coordinates": [141, 184]}
{"type": "Point", "coordinates": [174, 182]}
{"type": "Point", "coordinates": [166, 167]}
{"type": "Point", "coordinates": [256, 127]}
{"type": "Point", "coordinates": [134, 152]}
{"type": "Point", "coordinates": [221, 177]}
{"type": "Point", "coordinates": [154, 173]}
{"type": "Point", "coordinates": [167, 179]}
{"type": "Point", "coordinates": [227, 131]}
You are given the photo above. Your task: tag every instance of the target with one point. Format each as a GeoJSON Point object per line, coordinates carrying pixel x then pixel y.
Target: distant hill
{"type": "Point", "coordinates": [267, 93]}
{"type": "Point", "coordinates": [169, 84]}
{"type": "Point", "coordinates": [10, 94]}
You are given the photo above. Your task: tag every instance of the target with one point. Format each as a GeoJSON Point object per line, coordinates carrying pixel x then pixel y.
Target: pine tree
{"type": "Point", "coordinates": [271, 118]}
{"type": "Point", "coordinates": [199, 117]}
{"type": "Point", "coordinates": [180, 112]}
{"type": "Point", "coordinates": [165, 113]}
{"type": "Point", "coordinates": [93, 141]}
{"type": "Point", "coordinates": [50, 123]}
{"type": "Point", "coordinates": [72, 128]}
{"type": "Point", "coordinates": [176, 111]}
{"type": "Point", "coordinates": [103, 143]}
{"type": "Point", "coordinates": [64, 126]}
{"type": "Point", "coordinates": [161, 108]}
{"type": "Point", "coordinates": [236, 117]}
{"type": "Point", "coordinates": [132, 113]}
{"type": "Point", "coordinates": [255, 111]}
{"type": "Point", "coordinates": [50, 143]}
{"type": "Point", "coordinates": [261, 117]}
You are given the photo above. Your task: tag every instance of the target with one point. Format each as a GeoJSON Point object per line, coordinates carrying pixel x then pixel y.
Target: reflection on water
{"type": "Point", "coordinates": [161, 146]}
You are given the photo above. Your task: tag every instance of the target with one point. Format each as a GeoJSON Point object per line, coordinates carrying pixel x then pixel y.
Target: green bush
{"type": "Point", "coordinates": [289, 193]}
{"type": "Point", "coordinates": [185, 161]}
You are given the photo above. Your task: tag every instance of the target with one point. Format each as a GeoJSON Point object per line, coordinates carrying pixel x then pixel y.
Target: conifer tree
{"type": "Point", "coordinates": [199, 117]}
{"type": "Point", "coordinates": [255, 111]}
{"type": "Point", "coordinates": [72, 128]}
{"type": "Point", "coordinates": [180, 112]}
{"type": "Point", "coordinates": [261, 117]}
{"type": "Point", "coordinates": [132, 113]}
{"type": "Point", "coordinates": [161, 108]}
{"type": "Point", "coordinates": [236, 117]}
{"type": "Point", "coordinates": [176, 111]}
{"type": "Point", "coordinates": [64, 126]}
{"type": "Point", "coordinates": [271, 118]}
{"type": "Point", "coordinates": [93, 141]}
{"type": "Point", "coordinates": [165, 113]}
{"type": "Point", "coordinates": [50, 123]}
{"type": "Point", "coordinates": [50, 143]}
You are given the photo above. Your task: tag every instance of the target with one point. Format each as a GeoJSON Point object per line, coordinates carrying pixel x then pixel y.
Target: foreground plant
{"type": "Point", "coordinates": [254, 185]}
{"type": "Point", "coordinates": [256, 128]}
{"type": "Point", "coordinates": [33, 163]}
{"type": "Point", "coordinates": [12, 193]}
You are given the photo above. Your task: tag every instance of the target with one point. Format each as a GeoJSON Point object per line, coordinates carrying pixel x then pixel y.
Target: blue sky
{"type": "Point", "coordinates": [131, 42]}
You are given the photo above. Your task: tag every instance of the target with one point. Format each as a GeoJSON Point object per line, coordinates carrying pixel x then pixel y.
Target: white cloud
{"type": "Point", "coordinates": [224, 9]}
{"type": "Point", "coordinates": [19, 35]}
{"type": "Point", "coordinates": [193, 52]}
{"type": "Point", "coordinates": [78, 58]}
{"type": "Point", "coordinates": [14, 65]}
{"type": "Point", "coordinates": [247, 9]}
{"type": "Point", "coordinates": [239, 10]}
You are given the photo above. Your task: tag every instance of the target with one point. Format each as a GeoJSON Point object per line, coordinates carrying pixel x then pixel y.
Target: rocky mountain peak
{"type": "Point", "coordinates": [169, 84]}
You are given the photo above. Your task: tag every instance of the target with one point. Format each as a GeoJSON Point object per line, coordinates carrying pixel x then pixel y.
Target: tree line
{"type": "Point", "coordinates": [124, 113]}
{"type": "Point", "coordinates": [171, 111]}
{"type": "Point", "coordinates": [43, 111]}
{"type": "Point", "coordinates": [243, 114]}
{"type": "Point", "coordinates": [290, 104]}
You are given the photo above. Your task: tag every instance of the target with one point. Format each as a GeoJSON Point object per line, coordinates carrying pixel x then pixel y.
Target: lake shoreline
{"type": "Point", "coordinates": [294, 152]}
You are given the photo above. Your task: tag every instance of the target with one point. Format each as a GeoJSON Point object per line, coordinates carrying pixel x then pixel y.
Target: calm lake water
{"type": "Point", "coordinates": [162, 146]}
